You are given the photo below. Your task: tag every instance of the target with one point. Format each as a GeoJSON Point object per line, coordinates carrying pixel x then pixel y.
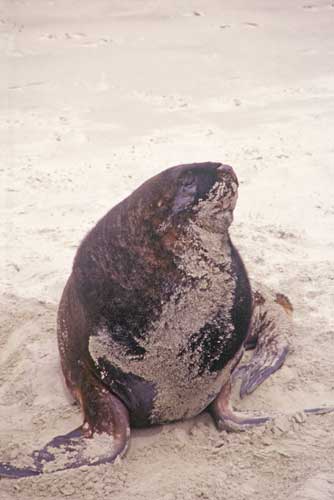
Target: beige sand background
{"type": "Point", "coordinates": [97, 96]}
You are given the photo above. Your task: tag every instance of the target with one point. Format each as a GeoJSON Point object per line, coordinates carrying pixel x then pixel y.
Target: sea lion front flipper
{"type": "Point", "coordinates": [106, 418]}
{"type": "Point", "coordinates": [101, 439]}
{"type": "Point", "coordinates": [49, 453]}
{"type": "Point", "coordinates": [8, 471]}
{"type": "Point", "coordinates": [270, 331]}
{"type": "Point", "coordinates": [228, 420]}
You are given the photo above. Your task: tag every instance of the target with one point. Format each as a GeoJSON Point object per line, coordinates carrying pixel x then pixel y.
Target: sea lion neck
{"type": "Point", "coordinates": [201, 243]}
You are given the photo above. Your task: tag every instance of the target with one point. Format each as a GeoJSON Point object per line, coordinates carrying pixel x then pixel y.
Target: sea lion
{"type": "Point", "coordinates": [156, 314]}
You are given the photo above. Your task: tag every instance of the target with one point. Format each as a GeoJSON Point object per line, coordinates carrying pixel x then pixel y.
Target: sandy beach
{"type": "Point", "coordinates": [97, 97]}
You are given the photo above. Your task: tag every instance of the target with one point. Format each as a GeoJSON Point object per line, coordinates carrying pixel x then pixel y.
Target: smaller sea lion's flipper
{"type": "Point", "coordinates": [270, 333]}
{"type": "Point", "coordinates": [228, 420]}
{"type": "Point", "coordinates": [106, 418]}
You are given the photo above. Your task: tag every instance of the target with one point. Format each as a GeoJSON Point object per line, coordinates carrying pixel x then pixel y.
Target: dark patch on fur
{"type": "Point", "coordinates": [135, 392]}
{"type": "Point", "coordinates": [242, 307]}
{"type": "Point", "coordinates": [122, 289]}
{"type": "Point", "coordinates": [216, 350]}
{"type": "Point", "coordinates": [258, 299]}
{"type": "Point", "coordinates": [211, 341]}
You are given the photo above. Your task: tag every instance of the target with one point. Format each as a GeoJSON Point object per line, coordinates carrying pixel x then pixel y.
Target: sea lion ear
{"type": "Point", "coordinates": [185, 195]}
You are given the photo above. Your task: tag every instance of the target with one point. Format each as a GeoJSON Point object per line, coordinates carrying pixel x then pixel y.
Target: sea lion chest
{"type": "Point", "coordinates": [177, 364]}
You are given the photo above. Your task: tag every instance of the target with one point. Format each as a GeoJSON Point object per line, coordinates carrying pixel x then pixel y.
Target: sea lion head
{"type": "Point", "coordinates": [203, 194]}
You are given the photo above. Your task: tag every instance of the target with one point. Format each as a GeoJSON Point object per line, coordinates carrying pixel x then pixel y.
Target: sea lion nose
{"type": "Point", "coordinates": [227, 171]}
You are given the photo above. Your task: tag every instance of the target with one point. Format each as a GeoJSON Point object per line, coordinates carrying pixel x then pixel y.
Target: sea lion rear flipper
{"type": "Point", "coordinates": [228, 420]}
{"type": "Point", "coordinates": [106, 418]}
{"type": "Point", "coordinates": [270, 331]}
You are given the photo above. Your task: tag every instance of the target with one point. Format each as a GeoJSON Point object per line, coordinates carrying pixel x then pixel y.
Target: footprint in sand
{"type": "Point", "coordinates": [78, 37]}
{"type": "Point", "coordinates": [68, 36]}
{"type": "Point", "coordinates": [313, 7]}
{"type": "Point", "coordinates": [252, 25]}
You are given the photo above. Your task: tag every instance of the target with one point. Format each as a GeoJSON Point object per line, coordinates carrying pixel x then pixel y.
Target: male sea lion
{"type": "Point", "coordinates": [155, 316]}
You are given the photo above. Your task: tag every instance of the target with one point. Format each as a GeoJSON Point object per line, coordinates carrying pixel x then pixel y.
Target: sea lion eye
{"type": "Point", "coordinates": [189, 179]}
{"type": "Point", "coordinates": [186, 194]}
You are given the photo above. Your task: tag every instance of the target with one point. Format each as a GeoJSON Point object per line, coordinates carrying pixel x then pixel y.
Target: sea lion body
{"type": "Point", "coordinates": [165, 299]}
{"type": "Point", "coordinates": [154, 318]}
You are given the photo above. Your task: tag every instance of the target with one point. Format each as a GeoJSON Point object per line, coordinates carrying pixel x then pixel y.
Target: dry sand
{"type": "Point", "coordinates": [95, 98]}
